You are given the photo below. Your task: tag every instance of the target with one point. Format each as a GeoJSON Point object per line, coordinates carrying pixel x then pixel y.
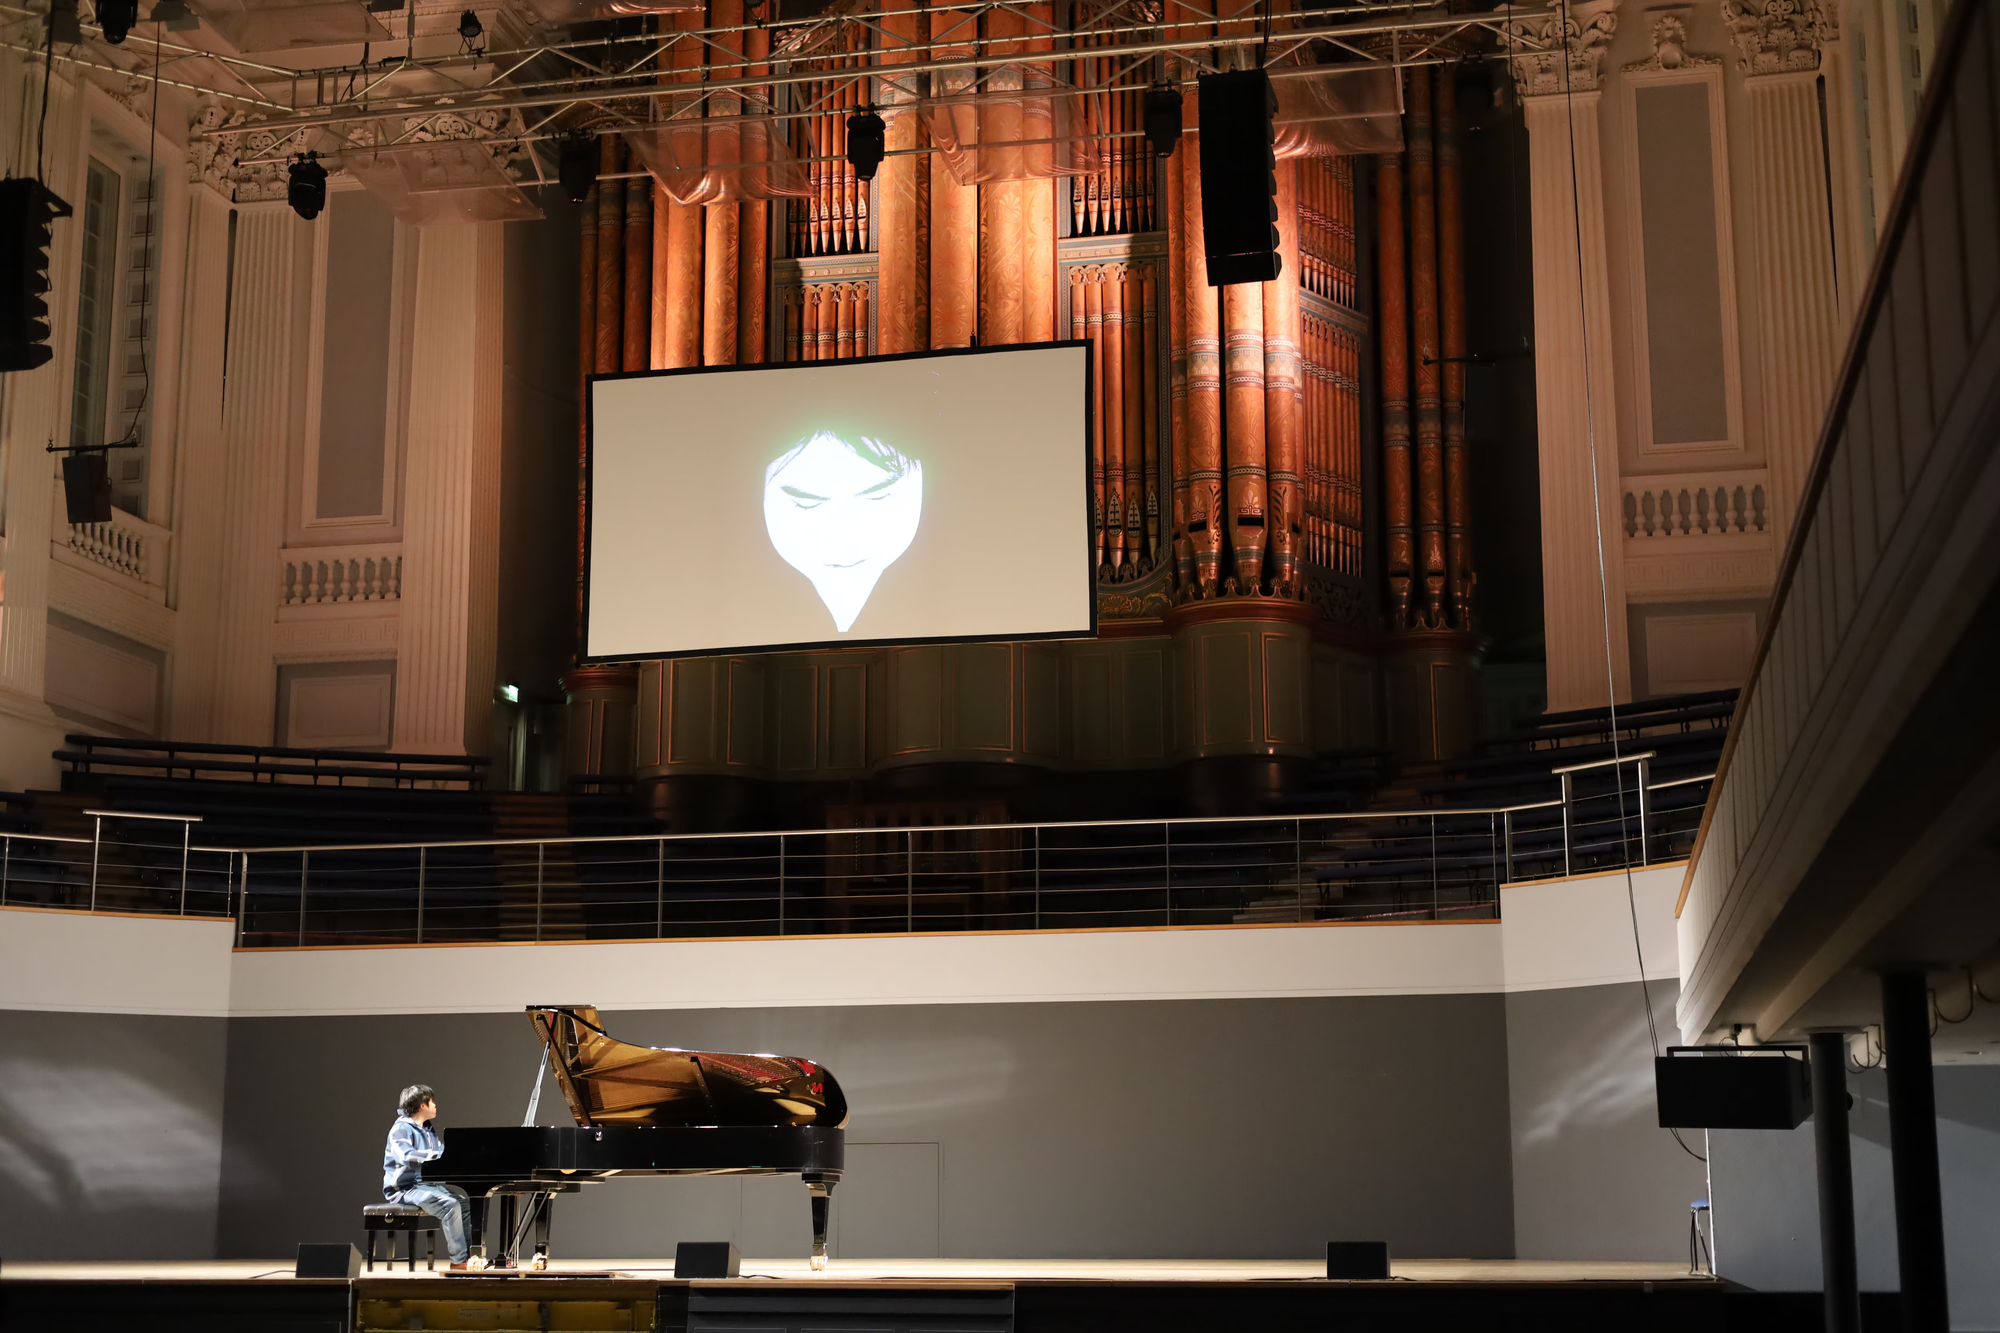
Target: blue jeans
{"type": "Point", "coordinates": [448, 1204]}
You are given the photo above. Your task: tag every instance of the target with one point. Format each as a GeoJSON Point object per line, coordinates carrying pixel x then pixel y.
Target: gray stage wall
{"type": "Point", "coordinates": [1217, 1129]}
{"type": "Point", "coordinates": [1595, 1177]}
{"type": "Point", "coordinates": [110, 1135]}
{"type": "Point", "coordinates": [1767, 1195]}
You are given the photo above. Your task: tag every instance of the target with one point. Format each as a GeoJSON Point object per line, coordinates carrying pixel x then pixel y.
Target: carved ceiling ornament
{"type": "Point", "coordinates": [1779, 36]}
{"type": "Point", "coordinates": [1670, 43]}
{"type": "Point", "coordinates": [1576, 35]}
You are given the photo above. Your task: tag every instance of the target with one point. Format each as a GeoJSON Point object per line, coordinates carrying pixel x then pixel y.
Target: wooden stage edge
{"type": "Point", "coordinates": [898, 1272]}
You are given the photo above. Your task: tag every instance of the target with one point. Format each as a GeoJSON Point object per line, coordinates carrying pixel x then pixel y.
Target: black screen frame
{"type": "Point", "coordinates": [586, 658]}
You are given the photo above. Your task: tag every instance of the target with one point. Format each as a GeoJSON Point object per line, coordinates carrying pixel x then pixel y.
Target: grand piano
{"type": "Point", "coordinates": [644, 1111]}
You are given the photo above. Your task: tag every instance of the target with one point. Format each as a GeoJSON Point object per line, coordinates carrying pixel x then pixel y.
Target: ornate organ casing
{"type": "Point", "coordinates": [1240, 493]}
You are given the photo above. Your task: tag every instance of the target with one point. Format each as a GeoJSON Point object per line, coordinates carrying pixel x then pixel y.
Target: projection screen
{"type": "Point", "coordinates": [900, 499]}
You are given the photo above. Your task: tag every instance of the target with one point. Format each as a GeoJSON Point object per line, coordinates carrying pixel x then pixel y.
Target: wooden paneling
{"type": "Point", "coordinates": [1284, 690]}
{"type": "Point", "coordinates": [983, 696]}
{"type": "Point", "coordinates": [1227, 706]}
{"type": "Point", "coordinates": [847, 715]}
{"type": "Point", "coordinates": [916, 683]}
{"type": "Point", "coordinates": [798, 718]}
{"type": "Point", "coordinates": [1091, 673]}
{"type": "Point", "coordinates": [691, 722]}
{"type": "Point", "coordinates": [1145, 705]}
{"type": "Point", "coordinates": [746, 711]}
{"type": "Point", "coordinates": [1041, 703]}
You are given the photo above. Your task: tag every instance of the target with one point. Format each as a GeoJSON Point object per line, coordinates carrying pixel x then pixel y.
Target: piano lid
{"type": "Point", "coordinates": [610, 1082]}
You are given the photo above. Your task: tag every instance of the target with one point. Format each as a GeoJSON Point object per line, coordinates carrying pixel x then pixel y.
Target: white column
{"type": "Point", "coordinates": [451, 505]}
{"type": "Point", "coordinates": [1583, 586]}
{"type": "Point", "coordinates": [260, 417]}
{"type": "Point", "coordinates": [34, 410]}
{"type": "Point", "coordinates": [200, 466]}
{"type": "Point", "coordinates": [1799, 328]}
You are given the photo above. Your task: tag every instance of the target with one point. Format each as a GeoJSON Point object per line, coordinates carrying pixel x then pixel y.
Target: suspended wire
{"type": "Point", "coordinates": [1597, 541]}
{"type": "Point", "coordinates": [147, 279]}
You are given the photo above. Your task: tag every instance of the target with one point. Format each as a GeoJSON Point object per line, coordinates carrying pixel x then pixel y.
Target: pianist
{"type": "Point", "coordinates": [412, 1142]}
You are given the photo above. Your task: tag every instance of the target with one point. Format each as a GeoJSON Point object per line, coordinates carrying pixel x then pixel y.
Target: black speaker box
{"type": "Point", "coordinates": [1357, 1260]}
{"type": "Point", "coordinates": [87, 488]}
{"type": "Point", "coordinates": [1726, 1087]}
{"type": "Point", "coordinates": [341, 1260]}
{"type": "Point", "coordinates": [707, 1258]}
{"type": "Point", "coordinates": [1239, 184]}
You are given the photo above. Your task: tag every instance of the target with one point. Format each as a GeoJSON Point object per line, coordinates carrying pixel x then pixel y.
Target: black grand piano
{"type": "Point", "coordinates": [645, 1111]}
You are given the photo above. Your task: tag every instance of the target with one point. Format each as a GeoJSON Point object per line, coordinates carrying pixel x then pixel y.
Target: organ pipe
{"type": "Point", "coordinates": [1204, 378]}
{"type": "Point", "coordinates": [1424, 348]}
{"type": "Point", "coordinates": [635, 340]}
{"type": "Point", "coordinates": [1280, 317]}
{"type": "Point", "coordinates": [1451, 277]}
{"type": "Point", "coordinates": [1393, 325]}
{"type": "Point", "coordinates": [610, 257]}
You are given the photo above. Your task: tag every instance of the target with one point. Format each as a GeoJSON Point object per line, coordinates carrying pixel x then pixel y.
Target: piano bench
{"type": "Point", "coordinates": [378, 1218]}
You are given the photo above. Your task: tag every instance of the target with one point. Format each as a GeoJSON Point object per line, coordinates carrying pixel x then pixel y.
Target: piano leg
{"type": "Point", "coordinates": [506, 1257]}
{"type": "Point", "coordinates": [543, 1216]}
{"type": "Point", "coordinates": [475, 1224]}
{"type": "Point", "coordinates": [822, 1203]}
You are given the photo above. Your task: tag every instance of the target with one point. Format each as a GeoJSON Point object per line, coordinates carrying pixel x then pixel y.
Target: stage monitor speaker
{"type": "Point", "coordinates": [87, 488]}
{"type": "Point", "coordinates": [1357, 1260]}
{"type": "Point", "coordinates": [1239, 181]}
{"type": "Point", "coordinates": [1732, 1087]}
{"type": "Point", "coordinates": [316, 1260]}
{"type": "Point", "coordinates": [707, 1258]}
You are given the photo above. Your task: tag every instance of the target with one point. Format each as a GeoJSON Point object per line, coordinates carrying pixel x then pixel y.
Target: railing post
{"type": "Point", "coordinates": [242, 898]}
{"type": "Point", "coordinates": [1298, 867]}
{"type": "Point", "coordinates": [1645, 805]}
{"type": "Point", "coordinates": [1168, 841]}
{"type": "Point", "coordinates": [1506, 846]}
{"type": "Point", "coordinates": [96, 838]}
{"type": "Point", "coordinates": [781, 884]}
{"type": "Point", "coordinates": [660, 890]}
{"type": "Point", "coordinates": [423, 861]}
{"type": "Point", "coordinates": [1566, 823]}
{"type": "Point", "coordinates": [1038, 877]}
{"type": "Point", "coordinates": [909, 881]}
{"type": "Point", "coordinates": [305, 861]}
{"type": "Point", "coordinates": [6, 864]}
{"type": "Point", "coordinates": [1434, 867]}
{"type": "Point", "coordinates": [185, 836]}
{"type": "Point", "coordinates": [541, 861]}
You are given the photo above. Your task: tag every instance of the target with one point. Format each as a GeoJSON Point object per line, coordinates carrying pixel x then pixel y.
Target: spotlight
{"type": "Point", "coordinates": [576, 166]}
{"type": "Point", "coordinates": [174, 16]}
{"type": "Point", "coordinates": [307, 191]}
{"type": "Point", "coordinates": [867, 140]}
{"type": "Point", "coordinates": [116, 18]}
{"type": "Point", "coordinates": [470, 29]}
{"type": "Point", "coordinates": [1163, 119]}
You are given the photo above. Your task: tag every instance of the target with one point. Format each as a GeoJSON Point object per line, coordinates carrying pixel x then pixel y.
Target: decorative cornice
{"type": "Point", "coordinates": [228, 136]}
{"type": "Point", "coordinates": [1670, 43]}
{"type": "Point", "coordinates": [1576, 36]}
{"type": "Point", "coordinates": [1779, 36]}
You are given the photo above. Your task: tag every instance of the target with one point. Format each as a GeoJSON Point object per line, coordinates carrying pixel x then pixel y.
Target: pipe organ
{"type": "Point", "coordinates": [1278, 472]}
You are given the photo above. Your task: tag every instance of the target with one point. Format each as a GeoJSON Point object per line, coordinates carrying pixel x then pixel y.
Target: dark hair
{"type": "Point", "coordinates": [415, 1096]}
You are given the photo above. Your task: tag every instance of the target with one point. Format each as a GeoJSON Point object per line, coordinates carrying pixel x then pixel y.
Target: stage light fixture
{"type": "Point", "coordinates": [307, 190]}
{"type": "Point", "coordinates": [867, 140]}
{"type": "Point", "coordinates": [576, 166]}
{"type": "Point", "coordinates": [1163, 120]}
{"type": "Point", "coordinates": [174, 16]}
{"type": "Point", "coordinates": [470, 29]}
{"type": "Point", "coordinates": [116, 18]}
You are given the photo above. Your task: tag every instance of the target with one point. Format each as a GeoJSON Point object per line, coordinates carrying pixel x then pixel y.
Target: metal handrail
{"type": "Point", "coordinates": [1383, 867]}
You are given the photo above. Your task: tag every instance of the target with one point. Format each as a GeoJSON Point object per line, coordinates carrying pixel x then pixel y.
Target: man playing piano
{"type": "Point", "coordinates": [412, 1142]}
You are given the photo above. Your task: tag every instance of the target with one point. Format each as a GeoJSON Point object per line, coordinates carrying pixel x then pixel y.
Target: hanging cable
{"type": "Point", "coordinates": [146, 279]}
{"type": "Point", "coordinates": [1597, 540]}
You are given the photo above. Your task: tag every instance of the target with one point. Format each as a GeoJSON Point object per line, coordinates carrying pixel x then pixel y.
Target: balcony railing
{"type": "Point", "coordinates": [1427, 864]}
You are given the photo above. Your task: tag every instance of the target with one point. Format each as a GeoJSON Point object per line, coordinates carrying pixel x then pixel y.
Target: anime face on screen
{"type": "Point", "coordinates": [841, 508]}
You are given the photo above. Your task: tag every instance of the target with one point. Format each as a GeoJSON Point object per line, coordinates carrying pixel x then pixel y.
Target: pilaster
{"type": "Point", "coordinates": [444, 668]}
{"type": "Point", "coordinates": [1799, 328]}
{"type": "Point", "coordinates": [34, 410]}
{"type": "Point", "coordinates": [260, 420]}
{"type": "Point", "coordinates": [1557, 60]}
{"type": "Point", "coordinates": [200, 462]}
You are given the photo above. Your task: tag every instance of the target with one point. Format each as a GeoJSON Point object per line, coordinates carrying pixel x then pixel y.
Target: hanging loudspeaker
{"type": "Point", "coordinates": [1239, 182]}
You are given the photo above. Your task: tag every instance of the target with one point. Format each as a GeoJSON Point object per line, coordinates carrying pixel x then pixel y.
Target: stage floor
{"type": "Point", "coordinates": [919, 1270]}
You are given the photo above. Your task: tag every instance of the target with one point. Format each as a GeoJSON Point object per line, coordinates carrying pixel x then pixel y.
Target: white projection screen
{"type": "Point", "coordinates": [901, 499]}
